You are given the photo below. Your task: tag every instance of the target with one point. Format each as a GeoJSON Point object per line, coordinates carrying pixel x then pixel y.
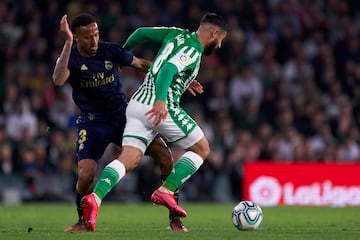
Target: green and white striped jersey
{"type": "Point", "coordinates": [181, 48]}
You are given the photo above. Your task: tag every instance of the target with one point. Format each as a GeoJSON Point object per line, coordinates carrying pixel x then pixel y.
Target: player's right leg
{"type": "Point", "coordinates": [139, 133]}
{"type": "Point", "coordinates": [111, 175]}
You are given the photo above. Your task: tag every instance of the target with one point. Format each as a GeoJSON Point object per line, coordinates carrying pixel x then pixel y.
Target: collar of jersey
{"type": "Point", "coordinates": [195, 37]}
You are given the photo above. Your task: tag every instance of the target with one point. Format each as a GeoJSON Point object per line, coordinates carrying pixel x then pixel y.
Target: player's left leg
{"type": "Point", "coordinates": [86, 174]}
{"type": "Point", "coordinates": [184, 168]}
{"type": "Point", "coordinates": [187, 164]}
{"type": "Point", "coordinates": [180, 129]}
{"type": "Point", "coordinates": [161, 153]}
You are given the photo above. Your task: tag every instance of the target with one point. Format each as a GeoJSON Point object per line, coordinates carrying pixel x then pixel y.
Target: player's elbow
{"type": "Point", "coordinates": [60, 75]}
{"type": "Point", "coordinates": [206, 152]}
{"type": "Point", "coordinates": [141, 64]}
{"type": "Point", "coordinates": [57, 81]}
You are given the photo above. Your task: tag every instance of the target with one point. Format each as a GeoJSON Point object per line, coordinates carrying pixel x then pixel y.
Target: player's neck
{"type": "Point", "coordinates": [84, 53]}
{"type": "Point", "coordinates": [201, 38]}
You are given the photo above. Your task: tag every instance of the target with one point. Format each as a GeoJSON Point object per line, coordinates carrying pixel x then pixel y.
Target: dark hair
{"type": "Point", "coordinates": [81, 20]}
{"type": "Point", "coordinates": [214, 19]}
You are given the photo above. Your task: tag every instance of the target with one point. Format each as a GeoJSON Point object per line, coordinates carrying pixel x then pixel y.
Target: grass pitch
{"type": "Point", "coordinates": [204, 221]}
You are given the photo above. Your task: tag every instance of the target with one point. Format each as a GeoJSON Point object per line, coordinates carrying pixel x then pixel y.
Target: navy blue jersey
{"type": "Point", "coordinates": [97, 90]}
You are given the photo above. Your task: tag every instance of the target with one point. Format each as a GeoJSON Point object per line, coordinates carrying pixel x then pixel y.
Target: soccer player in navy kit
{"type": "Point", "coordinates": [90, 66]}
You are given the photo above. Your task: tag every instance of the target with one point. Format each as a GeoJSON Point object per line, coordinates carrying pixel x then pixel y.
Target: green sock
{"type": "Point", "coordinates": [184, 168]}
{"type": "Point", "coordinates": [110, 176]}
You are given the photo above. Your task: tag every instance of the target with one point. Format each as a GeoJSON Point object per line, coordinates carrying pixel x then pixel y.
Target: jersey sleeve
{"type": "Point", "coordinates": [140, 35]}
{"type": "Point", "coordinates": [163, 81]}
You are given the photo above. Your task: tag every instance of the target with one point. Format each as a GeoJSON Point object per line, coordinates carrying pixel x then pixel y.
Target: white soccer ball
{"type": "Point", "coordinates": [247, 215]}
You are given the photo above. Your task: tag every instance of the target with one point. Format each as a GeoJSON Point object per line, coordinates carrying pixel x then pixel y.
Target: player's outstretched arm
{"type": "Point", "coordinates": [141, 64]}
{"type": "Point", "coordinates": [142, 34]}
{"type": "Point", "coordinates": [61, 72]}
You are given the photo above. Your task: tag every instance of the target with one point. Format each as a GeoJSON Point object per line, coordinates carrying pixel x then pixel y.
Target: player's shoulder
{"type": "Point", "coordinates": [74, 51]}
{"type": "Point", "coordinates": [110, 49]}
{"type": "Point", "coordinates": [75, 56]}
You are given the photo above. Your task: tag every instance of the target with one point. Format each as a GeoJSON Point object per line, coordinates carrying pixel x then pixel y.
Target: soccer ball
{"type": "Point", "coordinates": [247, 215]}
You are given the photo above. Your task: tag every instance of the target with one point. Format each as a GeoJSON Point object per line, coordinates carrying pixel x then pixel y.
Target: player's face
{"type": "Point", "coordinates": [87, 38]}
{"type": "Point", "coordinates": [217, 38]}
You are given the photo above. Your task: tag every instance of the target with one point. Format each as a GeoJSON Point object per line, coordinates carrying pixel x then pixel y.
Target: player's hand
{"type": "Point", "coordinates": [195, 88]}
{"type": "Point", "coordinates": [158, 113]}
{"type": "Point", "coordinates": [65, 28]}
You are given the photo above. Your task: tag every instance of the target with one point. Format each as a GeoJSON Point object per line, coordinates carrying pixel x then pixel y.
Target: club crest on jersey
{"type": "Point", "coordinates": [108, 65]}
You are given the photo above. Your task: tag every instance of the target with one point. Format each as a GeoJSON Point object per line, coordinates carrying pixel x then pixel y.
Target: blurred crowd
{"type": "Point", "coordinates": [284, 87]}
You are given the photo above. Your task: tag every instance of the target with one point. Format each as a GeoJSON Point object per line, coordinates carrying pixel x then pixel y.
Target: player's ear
{"type": "Point", "coordinates": [214, 33]}
{"type": "Point", "coordinates": [75, 37]}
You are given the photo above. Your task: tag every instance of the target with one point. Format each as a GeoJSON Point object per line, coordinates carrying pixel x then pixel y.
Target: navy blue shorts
{"type": "Point", "coordinates": [94, 136]}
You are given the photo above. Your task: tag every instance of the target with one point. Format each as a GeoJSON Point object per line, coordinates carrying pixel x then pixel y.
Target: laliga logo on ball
{"type": "Point", "coordinates": [266, 191]}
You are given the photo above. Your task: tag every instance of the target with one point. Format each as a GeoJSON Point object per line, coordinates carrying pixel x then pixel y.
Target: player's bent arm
{"type": "Point", "coordinates": [61, 72]}
{"type": "Point", "coordinates": [155, 34]}
{"type": "Point", "coordinates": [141, 64]}
{"type": "Point", "coordinates": [164, 79]}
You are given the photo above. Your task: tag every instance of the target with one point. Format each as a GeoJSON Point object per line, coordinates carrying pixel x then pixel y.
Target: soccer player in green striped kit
{"type": "Point", "coordinates": [155, 108]}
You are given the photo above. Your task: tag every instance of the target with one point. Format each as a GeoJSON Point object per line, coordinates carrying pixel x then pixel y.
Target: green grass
{"type": "Point", "coordinates": [205, 221]}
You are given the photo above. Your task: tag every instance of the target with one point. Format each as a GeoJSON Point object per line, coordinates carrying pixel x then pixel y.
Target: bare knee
{"type": "Point", "coordinates": [201, 148]}
{"type": "Point", "coordinates": [205, 150]}
{"type": "Point", "coordinates": [86, 174]}
{"type": "Point", "coordinates": [130, 157]}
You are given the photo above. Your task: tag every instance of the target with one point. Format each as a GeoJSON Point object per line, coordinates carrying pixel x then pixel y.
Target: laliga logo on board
{"type": "Point", "coordinates": [267, 191]}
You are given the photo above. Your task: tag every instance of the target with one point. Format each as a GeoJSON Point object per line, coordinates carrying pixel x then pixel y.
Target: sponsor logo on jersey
{"type": "Point", "coordinates": [99, 79]}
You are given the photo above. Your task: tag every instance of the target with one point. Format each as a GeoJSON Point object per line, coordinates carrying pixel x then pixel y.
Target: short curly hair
{"type": "Point", "coordinates": [81, 20]}
{"type": "Point", "coordinates": [214, 19]}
